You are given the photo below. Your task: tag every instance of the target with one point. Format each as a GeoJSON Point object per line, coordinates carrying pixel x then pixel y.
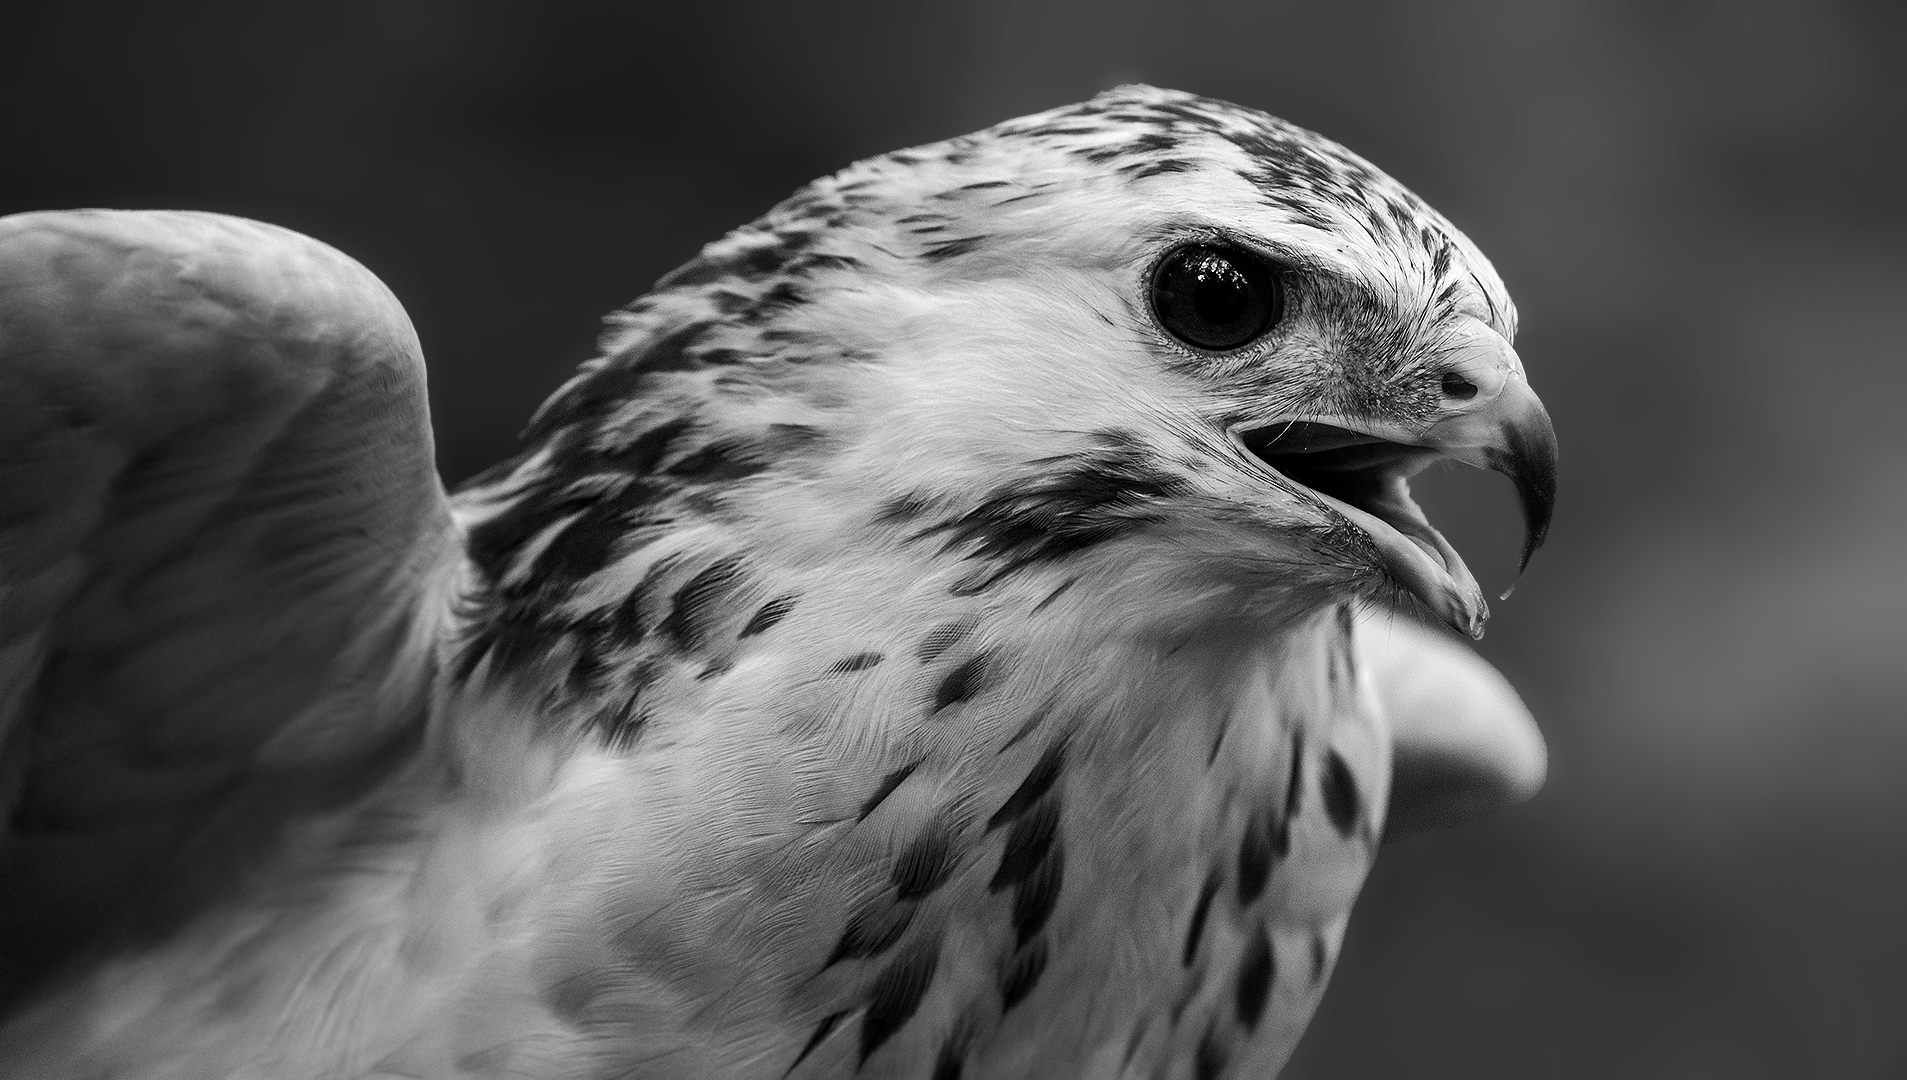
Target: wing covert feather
{"type": "Point", "coordinates": [223, 545]}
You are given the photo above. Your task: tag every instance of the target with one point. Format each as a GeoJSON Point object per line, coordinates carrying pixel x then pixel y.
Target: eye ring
{"type": "Point", "coordinates": [1216, 297]}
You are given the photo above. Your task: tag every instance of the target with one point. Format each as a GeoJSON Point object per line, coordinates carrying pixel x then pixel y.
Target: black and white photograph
{"type": "Point", "coordinates": [975, 541]}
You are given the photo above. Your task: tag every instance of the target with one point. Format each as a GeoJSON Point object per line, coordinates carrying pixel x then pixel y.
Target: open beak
{"type": "Point", "coordinates": [1361, 469]}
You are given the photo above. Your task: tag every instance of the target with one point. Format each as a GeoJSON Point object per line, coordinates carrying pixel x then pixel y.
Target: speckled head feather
{"type": "Point", "coordinates": [950, 344]}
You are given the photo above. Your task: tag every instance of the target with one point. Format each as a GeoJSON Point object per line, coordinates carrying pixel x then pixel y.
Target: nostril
{"type": "Point", "coordinates": [1456, 386]}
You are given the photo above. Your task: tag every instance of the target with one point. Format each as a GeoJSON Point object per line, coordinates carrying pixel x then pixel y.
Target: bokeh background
{"type": "Point", "coordinates": [1698, 206]}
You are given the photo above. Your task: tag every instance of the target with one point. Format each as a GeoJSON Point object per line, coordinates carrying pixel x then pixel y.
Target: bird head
{"type": "Point", "coordinates": [1166, 333]}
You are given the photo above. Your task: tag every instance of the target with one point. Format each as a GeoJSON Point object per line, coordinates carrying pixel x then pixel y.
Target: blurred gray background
{"type": "Point", "coordinates": [1697, 205]}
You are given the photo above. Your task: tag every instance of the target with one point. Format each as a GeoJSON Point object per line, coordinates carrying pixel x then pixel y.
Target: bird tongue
{"type": "Point", "coordinates": [1416, 554]}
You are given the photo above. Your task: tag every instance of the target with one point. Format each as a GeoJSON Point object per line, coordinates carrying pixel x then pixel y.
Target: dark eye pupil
{"type": "Point", "coordinates": [1215, 296]}
{"type": "Point", "coordinates": [1220, 293]}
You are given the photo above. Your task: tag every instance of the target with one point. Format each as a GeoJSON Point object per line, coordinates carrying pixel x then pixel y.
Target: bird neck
{"type": "Point", "coordinates": [842, 800]}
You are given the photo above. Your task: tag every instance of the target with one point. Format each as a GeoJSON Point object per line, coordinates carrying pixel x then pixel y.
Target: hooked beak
{"type": "Point", "coordinates": [1510, 434]}
{"type": "Point", "coordinates": [1360, 468]}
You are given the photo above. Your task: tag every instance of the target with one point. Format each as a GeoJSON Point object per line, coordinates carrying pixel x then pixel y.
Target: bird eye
{"type": "Point", "coordinates": [1216, 297]}
{"type": "Point", "coordinates": [1456, 386]}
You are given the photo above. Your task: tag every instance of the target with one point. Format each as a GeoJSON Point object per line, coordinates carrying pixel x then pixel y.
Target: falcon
{"type": "Point", "coordinates": [947, 632]}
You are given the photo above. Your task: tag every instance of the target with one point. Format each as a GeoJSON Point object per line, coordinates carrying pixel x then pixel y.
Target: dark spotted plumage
{"type": "Point", "coordinates": [601, 472]}
{"type": "Point", "coordinates": [771, 613]}
{"type": "Point", "coordinates": [1086, 499]}
{"type": "Point", "coordinates": [1255, 970]}
{"type": "Point", "coordinates": [925, 864]}
{"type": "Point", "coordinates": [1294, 784]}
{"type": "Point", "coordinates": [1022, 972]}
{"type": "Point", "coordinates": [1028, 843]}
{"type": "Point", "coordinates": [1037, 893]}
{"type": "Point", "coordinates": [896, 993]}
{"type": "Point", "coordinates": [1201, 908]}
{"type": "Point", "coordinates": [873, 929]}
{"type": "Point", "coordinates": [1039, 780]}
{"type": "Point", "coordinates": [621, 723]}
{"type": "Point", "coordinates": [1292, 170]}
{"type": "Point", "coordinates": [848, 665]}
{"type": "Point", "coordinates": [1260, 847]}
{"type": "Point", "coordinates": [905, 651]}
{"type": "Point", "coordinates": [964, 681]}
{"type": "Point", "coordinates": [943, 637]}
{"type": "Point", "coordinates": [947, 249]}
{"type": "Point", "coordinates": [1338, 789]}
{"type": "Point", "coordinates": [689, 619]}
{"type": "Point", "coordinates": [1057, 592]}
{"type": "Point", "coordinates": [1212, 1057]}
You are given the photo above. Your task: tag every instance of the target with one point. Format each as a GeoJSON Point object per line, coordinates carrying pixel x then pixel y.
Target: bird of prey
{"type": "Point", "coordinates": [943, 634]}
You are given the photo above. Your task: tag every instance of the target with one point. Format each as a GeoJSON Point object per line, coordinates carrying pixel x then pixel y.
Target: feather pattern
{"type": "Point", "coordinates": [881, 661]}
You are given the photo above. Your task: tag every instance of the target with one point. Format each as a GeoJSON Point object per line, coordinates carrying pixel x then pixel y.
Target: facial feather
{"type": "Point", "coordinates": [950, 324]}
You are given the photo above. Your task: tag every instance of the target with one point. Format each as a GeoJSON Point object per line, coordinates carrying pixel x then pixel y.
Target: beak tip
{"type": "Point", "coordinates": [1528, 458]}
{"type": "Point", "coordinates": [1537, 487]}
{"type": "Point", "coordinates": [1531, 542]}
